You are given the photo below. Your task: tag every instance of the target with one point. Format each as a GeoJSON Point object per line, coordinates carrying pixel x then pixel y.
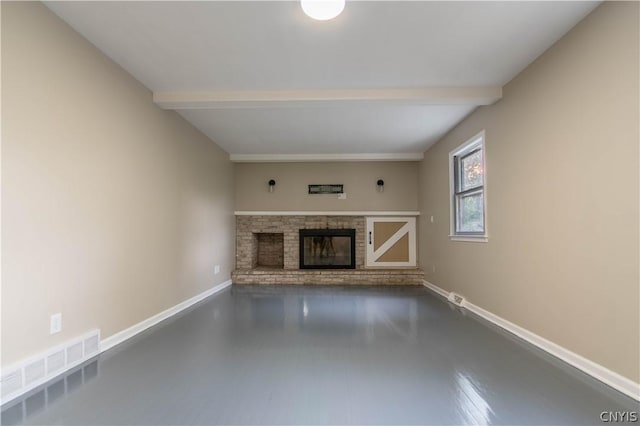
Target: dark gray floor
{"type": "Point", "coordinates": [331, 355]}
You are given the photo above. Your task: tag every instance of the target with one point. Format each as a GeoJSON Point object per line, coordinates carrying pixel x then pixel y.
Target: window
{"type": "Point", "coordinates": [467, 183]}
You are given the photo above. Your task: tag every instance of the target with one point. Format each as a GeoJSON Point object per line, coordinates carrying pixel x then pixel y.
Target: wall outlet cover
{"type": "Point", "coordinates": [216, 269]}
{"type": "Point", "coordinates": [55, 325]}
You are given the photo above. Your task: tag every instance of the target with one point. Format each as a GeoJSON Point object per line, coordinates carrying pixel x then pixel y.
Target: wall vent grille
{"type": "Point", "coordinates": [11, 382]}
{"type": "Point", "coordinates": [55, 362]}
{"type": "Point", "coordinates": [456, 299]}
{"type": "Point", "coordinates": [74, 353]}
{"type": "Point", "coordinates": [91, 346]}
{"type": "Point", "coordinates": [36, 370]}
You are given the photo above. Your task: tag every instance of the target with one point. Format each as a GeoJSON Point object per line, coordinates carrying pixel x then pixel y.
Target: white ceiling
{"type": "Point", "coordinates": [271, 47]}
{"type": "Point", "coordinates": [332, 130]}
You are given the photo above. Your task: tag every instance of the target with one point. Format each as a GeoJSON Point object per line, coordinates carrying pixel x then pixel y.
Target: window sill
{"type": "Point", "coordinates": [470, 238]}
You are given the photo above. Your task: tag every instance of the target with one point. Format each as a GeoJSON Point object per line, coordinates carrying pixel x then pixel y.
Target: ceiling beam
{"type": "Point", "coordinates": [485, 95]}
{"type": "Point", "coordinates": [310, 158]}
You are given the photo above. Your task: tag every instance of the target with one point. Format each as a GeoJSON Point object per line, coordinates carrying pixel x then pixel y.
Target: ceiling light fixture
{"type": "Point", "coordinates": [322, 10]}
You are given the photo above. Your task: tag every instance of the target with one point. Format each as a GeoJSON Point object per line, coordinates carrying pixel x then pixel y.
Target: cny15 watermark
{"type": "Point", "coordinates": [619, 416]}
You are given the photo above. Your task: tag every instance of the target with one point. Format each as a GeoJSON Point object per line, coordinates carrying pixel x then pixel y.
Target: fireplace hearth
{"type": "Point", "coordinates": [327, 248]}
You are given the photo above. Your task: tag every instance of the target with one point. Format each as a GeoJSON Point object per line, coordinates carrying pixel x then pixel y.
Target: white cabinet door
{"type": "Point", "coordinates": [391, 242]}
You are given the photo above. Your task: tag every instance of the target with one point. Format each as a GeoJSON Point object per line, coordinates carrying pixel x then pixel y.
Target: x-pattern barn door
{"type": "Point", "coordinates": [391, 242]}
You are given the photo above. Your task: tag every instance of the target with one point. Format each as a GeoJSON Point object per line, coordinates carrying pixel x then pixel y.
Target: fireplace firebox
{"type": "Point", "coordinates": [327, 249]}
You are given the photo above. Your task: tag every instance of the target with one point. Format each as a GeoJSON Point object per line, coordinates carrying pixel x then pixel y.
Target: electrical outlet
{"type": "Point", "coordinates": [433, 269]}
{"type": "Point", "coordinates": [431, 219]}
{"type": "Point", "coordinates": [55, 325]}
{"type": "Point", "coordinates": [342, 196]}
{"type": "Point", "coordinates": [216, 269]}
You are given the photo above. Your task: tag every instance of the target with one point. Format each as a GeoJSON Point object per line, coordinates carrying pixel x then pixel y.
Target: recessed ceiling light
{"type": "Point", "coordinates": [322, 10]}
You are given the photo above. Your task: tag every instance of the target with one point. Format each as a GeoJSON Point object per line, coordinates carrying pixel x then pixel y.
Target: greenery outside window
{"type": "Point", "coordinates": [467, 185]}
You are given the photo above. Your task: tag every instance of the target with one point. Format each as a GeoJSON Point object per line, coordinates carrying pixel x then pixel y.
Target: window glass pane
{"type": "Point", "coordinates": [471, 170]}
{"type": "Point", "coordinates": [470, 212]}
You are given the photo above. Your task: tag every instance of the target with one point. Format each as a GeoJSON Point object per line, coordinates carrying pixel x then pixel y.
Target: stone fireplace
{"type": "Point", "coordinates": [268, 251]}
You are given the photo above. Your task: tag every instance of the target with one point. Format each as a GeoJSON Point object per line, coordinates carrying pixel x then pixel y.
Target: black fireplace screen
{"type": "Point", "coordinates": [327, 249]}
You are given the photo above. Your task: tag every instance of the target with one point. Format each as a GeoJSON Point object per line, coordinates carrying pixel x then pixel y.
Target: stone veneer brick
{"type": "Point", "coordinates": [248, 226]}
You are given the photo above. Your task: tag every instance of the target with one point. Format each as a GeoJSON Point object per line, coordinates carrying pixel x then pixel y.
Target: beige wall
{"type": "Point", "coordinates": [562, 188]}
{"type": "Point", "coordinates": [359, 179]}
{"type": "Point", "coordinates": [112, 209]}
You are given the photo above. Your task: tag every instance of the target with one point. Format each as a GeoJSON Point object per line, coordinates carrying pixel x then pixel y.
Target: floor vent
{"type": "Point", "coordinates": [36, 370]}
{"type": "Point", "coordinates": [456, 299]}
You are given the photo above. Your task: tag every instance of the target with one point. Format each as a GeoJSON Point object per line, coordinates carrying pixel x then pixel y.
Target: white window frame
{"type": "Point", "coordinates": [471, 144]}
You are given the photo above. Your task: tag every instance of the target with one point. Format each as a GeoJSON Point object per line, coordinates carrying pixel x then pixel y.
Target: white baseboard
{"type": "Point", "coordinates": [121, 336]}
{"type": "Point", "coordinates": [436, 289]}
{"type": "Point", "coordinates": [16, 375]}
{"type": "Point", "coordinates": [597, 371]}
